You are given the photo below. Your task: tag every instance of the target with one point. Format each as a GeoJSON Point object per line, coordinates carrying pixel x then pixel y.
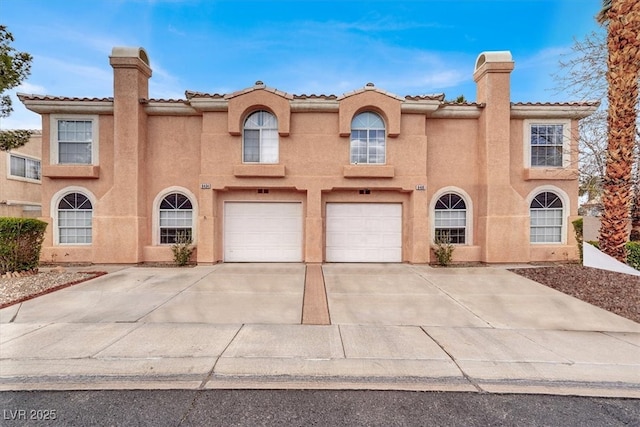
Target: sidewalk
{"type": "Point", "coordinates": [396, 326]}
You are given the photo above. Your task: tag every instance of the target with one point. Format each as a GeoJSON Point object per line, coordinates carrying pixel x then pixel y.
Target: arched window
{"type": "Point", "coordinates": [451, 219]}
{"type": "Point", "coordinates": [546, 212]}
{"type": "Point", "coordinates": [368, 139]}
{"type": "Point", "coordinates": [75, 214]}
{"type": "Point", "coordinates": [260, 138]}
{"type": "Point", "coordinates": [176, 219]}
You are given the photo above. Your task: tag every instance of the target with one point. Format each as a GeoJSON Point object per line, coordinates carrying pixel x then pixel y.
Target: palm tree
{"type": "Point", "coordinates": [622, 18]}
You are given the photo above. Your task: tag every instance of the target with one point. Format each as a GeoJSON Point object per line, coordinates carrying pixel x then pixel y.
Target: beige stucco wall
{"type": "Point", "coordinates": [149, 148]}
{"type": "Point", "coordinates": [20, 197]}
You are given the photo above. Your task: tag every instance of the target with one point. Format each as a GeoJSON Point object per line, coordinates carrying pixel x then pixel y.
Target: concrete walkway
{"type": "Point", "coordinates": [377, 326]}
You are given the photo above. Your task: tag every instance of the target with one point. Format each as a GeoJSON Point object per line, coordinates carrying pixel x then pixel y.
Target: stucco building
{"type": "Point", "coordinates": [20, 179]}
{"type": "Point", "coordinates": [264, 175]}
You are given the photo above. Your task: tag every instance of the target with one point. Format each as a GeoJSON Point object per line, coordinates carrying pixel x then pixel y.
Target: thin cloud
{"type": "Point", "coordinates": [30, 88]}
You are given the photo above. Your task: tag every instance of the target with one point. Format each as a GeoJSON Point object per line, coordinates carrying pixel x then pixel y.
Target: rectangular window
{"type": "Point", "coordinates": [24, 167]}
{"type": "Point", "coordinates": [547, 143]}
{"type": "Point", "coordinates": [451, 224]}
{"type": "Point", "coordinates": [174, 223]}
{"type": "Point", "coordinates": [75, 138]}
{"type": "Point", "coordinates": [260, 146]}
{"type": "Point", "coordinates": [546, 225]}
{"type": "Point", "coordinates": [74, 226]}
{"type": "Point", "coordinates": [368, 146]}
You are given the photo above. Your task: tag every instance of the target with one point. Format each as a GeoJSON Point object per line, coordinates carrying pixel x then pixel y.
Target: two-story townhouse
{"type": "Point", "coordinates": [260, 175]}
{"type": "Point", "coordinates": [20, 179]}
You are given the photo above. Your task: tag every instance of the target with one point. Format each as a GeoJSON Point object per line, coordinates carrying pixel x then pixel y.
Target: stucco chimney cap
{"type": "Point", "coordinates": [494, 56]}
{"type": "Point", "coordinates": [130, 52]}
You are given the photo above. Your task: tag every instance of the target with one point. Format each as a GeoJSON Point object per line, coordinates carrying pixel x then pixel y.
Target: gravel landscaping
{"type": "Point", "coordinates": [615, 292]}
{"type": "Point", "coordinates": [17, 289]}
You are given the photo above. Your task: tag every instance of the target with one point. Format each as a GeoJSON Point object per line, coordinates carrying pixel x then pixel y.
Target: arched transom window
{"type": "Point", "coordinates": [176, 219]}
{"type": "Point", "coordinates": [260, 138]}
{"type": "Point", "coordinates": [451, 219]}
{"type": "Point", "coordinates": [546, 212]}
{"type": "Point", "coordinates": [75, 214]}
{"type": "Point", "coordinates": [368, 139]}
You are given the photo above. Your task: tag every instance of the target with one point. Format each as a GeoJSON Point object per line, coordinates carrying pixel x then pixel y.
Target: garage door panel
{"type": "Point", "coordinates": [263, 232]}
{"type": "Point", "coordinates": [364, 232]}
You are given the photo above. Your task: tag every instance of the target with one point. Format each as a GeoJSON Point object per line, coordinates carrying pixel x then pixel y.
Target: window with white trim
{"type": "Point", "coordinates": [451, 219]}
{"type": "Point", "coordinates": [24, 167]}
{"type": "Point", "coordinates": [74, 140]}
{"type": "Point", "coordinates": [368, 144]}
{"type": "Point", "coordinates": [75, 214]}
{"type": "Point", "coordinates": [546, 213]}
{"type": "Point", "coordinates": [260, 138]}
{"type": "Point", "coordinates": [176, 219]}
{"type": "Point", "coordinates": [547, 143]}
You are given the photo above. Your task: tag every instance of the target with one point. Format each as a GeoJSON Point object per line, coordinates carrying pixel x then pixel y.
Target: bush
{"type": "Point", "coordinates": [443, 249]}
{"type": "Point", "coordinates": [594, 243]}
{"type": "Point", "coordinates": [633, 254]}
{"type": "Point", "coordinates": [182, 249]}
{"type": "Point", "coordinates": [20, 243]}
{"type": "Point", "coordinates": [578, 229]}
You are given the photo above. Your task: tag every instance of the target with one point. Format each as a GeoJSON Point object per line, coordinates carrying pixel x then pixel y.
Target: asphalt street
{"type": "Point", "coordinates": [309, 408]}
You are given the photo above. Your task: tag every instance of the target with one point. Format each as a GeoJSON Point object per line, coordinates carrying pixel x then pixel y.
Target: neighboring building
{"type": "Point", "coordinates": [20, 180]}
{"type": "Point", "coordinates": [263, 175]}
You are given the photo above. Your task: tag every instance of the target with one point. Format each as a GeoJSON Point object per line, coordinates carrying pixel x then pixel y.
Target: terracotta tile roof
{"type": "Point", "coordinates": [172, 101]}
{"type": "Point", "coordinates": [189, 94]}
{"type": "Point", "coordinates": [465, 103]}
{"type": "Point", "coordinates": [314, 96]}
{"type": "Point", "coordinates": [33, 97]}
{"type": "Point", "coordinates": [557, 104]}
{"type": "Point", "coordinates": [432, 97]}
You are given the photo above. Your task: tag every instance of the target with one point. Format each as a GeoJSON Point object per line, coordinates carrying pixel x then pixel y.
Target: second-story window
{"type": "Point", "coordinates": [75, 139]}
{"type": "Point", "coordinates": [368, 139]}
{"type": "Point", "coordinates": [260, 138]}
{"type": "Point", "coordinates": [24, 167]}
{"type": "Point", "coordinates": [547, 144]}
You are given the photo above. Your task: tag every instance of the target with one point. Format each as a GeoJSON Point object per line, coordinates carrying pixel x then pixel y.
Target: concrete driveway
{"type": "Point", "coordinates": [393, 326]}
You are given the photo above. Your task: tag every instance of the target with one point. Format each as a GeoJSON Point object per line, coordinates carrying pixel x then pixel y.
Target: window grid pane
{"type": "Point", "coordinates": [260, 138]}
{"type": "Point", "coordinates": [175, 218]}
{"type": "Point", "coordinates": [18, 166]}
{"type": "Point", "coordinates": [75, 138]}
{"type": "Point", "coordinates": [456, 235]}
{"type": "Point", "coordinates": [368, 143]}
{"type": "Point", "coordinates": [546, 218]}
{"type": "Point", "coordinates": [547, 145]}
{"type": "Point", "coordinates": [450, 219]}
{"type": "Point", "coordinates": [74, 226]}
{"type": "Point", "coordinates": [24, 167]}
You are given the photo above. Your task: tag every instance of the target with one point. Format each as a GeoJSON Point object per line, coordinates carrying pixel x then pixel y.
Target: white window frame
{"type": "Point", "coordinates": [55, 201]}
{"type": "Point", "coordinates": [368, 129]}
{"type": "Point", "coordinates": [26, 158]}
{"type": "Point", "coordinates": [261, 139]}
{"type": "Point", "coordinates": [54, 142]}
{"type": "Point", "coordinates": [566, 141]}
{"type": "Point", "coordinates": [564, 198]}
{"type": "Point", "coordinates": [155, 217]}
{"type": "Point", "coordinates": [468, 237]}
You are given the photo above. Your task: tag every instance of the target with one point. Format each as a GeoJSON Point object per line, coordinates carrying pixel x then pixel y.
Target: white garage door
{"type": "Point", "coordinates": [262, 232]}
{"type": "Point", "coordinates": [364, 232]}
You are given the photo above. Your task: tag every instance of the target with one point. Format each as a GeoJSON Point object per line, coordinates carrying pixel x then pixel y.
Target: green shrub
{"type": "Point", "coordinates": [443, 249]}
{"type": "Point", "coordinates": [20, 243]}
{"type": "Point", "coordinates": [594, 243]}
{"type": "Point", "coordinates": [633, 254]}
{"type": "Point", "coordinates": [182, 249]}
{"type": "Point", "coordinates": [578, 229]}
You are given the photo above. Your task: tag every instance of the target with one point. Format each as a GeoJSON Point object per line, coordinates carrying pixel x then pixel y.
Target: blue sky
{"type": "Point", "coordinates": [410, 47]}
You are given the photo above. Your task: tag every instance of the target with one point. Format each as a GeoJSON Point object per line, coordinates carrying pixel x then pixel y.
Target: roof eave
{"type": "Point", "coordinates": [48, 105]}
{"type": "Point", "coordinates": [552, 111]}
